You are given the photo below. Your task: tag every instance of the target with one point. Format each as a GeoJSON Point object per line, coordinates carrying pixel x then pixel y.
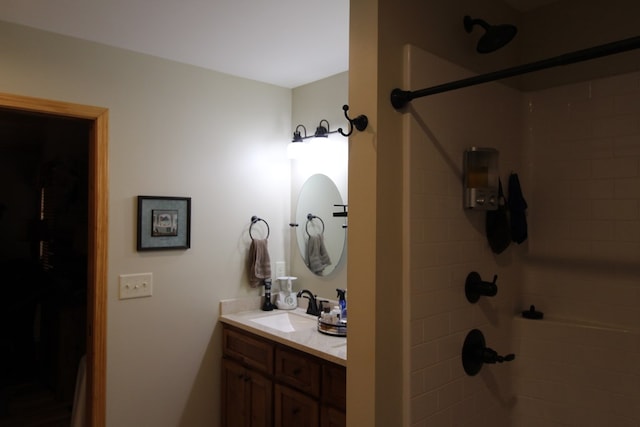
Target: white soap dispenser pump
{"type": "Point", "coordinates": [287, 299]}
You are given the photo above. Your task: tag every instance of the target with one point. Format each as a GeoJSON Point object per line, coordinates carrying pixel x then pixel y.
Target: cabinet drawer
{"type": "Point", "coordinates": [293, 408]}
{"type": "Point", "coordinates": [298, 370]}
{"type": "Point", "coordinates": [334, 385]}
{"type": "Point", "coordinates": [248, 349]}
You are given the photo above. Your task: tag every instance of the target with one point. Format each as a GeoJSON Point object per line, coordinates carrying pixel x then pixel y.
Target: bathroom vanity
{"type": "Point", "coordinates": [278, 370]}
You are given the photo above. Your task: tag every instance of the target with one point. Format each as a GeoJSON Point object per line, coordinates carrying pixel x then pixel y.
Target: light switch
{"type": "Point", "coordinates": [280, 269]}
{"type": "Point", "coordinates": [136, 285]}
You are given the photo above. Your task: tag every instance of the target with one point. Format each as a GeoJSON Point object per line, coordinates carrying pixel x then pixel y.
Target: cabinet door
{"type": "Point", "coordinates": [334, 386]}
{"type": "Point", "coordinates": [293, 408]}
{"type": "Point", "coordinates": [247, 397]}
{"type": "Point", "coordinates": [331, 417]}
{"type": "Point", "coordinates": [235, 409]}
{"type": "Point", "coordinates": [260, 400]}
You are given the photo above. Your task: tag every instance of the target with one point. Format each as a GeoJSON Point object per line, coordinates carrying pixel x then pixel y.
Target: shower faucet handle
{"type": "Point", "coordinates": [474, 287]}
{"type": "Point", "coordinates": [475, 353]}
{"type": "Point", "coordinates": [492, 356]}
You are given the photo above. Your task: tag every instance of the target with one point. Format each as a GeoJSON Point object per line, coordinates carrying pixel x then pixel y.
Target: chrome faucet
{"type": "Point", "coordinates": [313, 307]}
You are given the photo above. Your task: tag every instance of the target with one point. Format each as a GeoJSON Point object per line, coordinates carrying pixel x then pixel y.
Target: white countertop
{"type": "Point", "coordinates": [239, 313]}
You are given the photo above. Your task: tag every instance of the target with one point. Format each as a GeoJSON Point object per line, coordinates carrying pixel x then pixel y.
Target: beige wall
{"type": "Point", "coordinates": [180, 130]}
{"type": "Point", "coordinates": [174, 130]}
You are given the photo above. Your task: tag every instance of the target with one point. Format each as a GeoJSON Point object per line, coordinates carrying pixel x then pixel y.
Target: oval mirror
{"type": "Point", "coordinates": [320, 235]}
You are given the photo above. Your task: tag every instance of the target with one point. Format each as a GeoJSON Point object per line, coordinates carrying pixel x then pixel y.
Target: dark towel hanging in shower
{"type": "Point", "coordinates": [517, 207]}
{"type": "Point", "coordinates": [497, 225]}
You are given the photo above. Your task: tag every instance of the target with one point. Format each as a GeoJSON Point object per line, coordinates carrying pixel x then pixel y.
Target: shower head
{"type": "Point", "coordinates": [495, 36]}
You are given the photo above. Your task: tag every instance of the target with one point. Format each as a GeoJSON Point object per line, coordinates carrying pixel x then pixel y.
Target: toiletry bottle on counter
{"type": "Point", "coordinates": [342, 302]}
{"type": "Point", "coordinates": [335, 315]}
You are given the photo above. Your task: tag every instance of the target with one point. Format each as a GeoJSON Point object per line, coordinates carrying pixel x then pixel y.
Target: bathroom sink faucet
{"type": "Point", "coordinates": [313, 307]}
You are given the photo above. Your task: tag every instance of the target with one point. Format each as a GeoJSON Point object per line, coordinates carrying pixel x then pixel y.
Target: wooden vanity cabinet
{"type": "Point", "coordinates": [265, 383]}
{"type": "Point", "coordinates": [247, 396]}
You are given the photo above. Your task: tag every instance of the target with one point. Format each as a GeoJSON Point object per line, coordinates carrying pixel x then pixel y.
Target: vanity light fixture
{"type": "Point", "coordinates": [323, 132]}
{"type": "Point", "coordinates": [297, 146]}
{"type": "Point", "coordinates": [359, 123]}
{"type": "Point", "coordinates": [297, 137]}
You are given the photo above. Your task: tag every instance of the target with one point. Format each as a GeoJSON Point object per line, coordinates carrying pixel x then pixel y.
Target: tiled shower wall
{"type": "Point", "coordinates": [577, 152]}
{"type": "Point", "coordinates": [583, 151]}
{"type": "Point", "coordinates": [583, 267]}
{"type": "Point", "coordinates": [446, 243]}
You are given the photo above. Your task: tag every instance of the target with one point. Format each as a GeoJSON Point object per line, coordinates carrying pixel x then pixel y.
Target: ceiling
{"type": "Point", "coordinates": [287, 43]}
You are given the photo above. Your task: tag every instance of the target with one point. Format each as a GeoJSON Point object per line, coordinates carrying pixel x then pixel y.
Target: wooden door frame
{"type": "Point", "coordinates": [97, 240]}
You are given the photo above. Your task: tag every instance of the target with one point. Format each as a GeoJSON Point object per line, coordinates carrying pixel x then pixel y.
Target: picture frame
{"type": "Point", "coordinates": [164, 223]}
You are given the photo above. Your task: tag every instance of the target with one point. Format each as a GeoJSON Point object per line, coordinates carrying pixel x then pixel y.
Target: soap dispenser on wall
{"type": "Point", "coordinates": [481, 178]}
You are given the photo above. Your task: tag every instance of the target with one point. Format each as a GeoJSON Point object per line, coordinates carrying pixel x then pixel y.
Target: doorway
{"type": "Point", "coordinates": [94, 270]}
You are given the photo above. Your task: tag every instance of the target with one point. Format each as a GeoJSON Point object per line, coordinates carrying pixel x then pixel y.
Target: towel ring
{"type": "Point", "coordinates": [310, 218]}
{"type": "Point", "coordinates": [255, 219]}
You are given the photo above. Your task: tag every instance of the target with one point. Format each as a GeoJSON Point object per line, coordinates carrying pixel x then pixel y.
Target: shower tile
{"type": "Point", "coordinates": [627, 188]}
{"type": "Point", "coordinates": [627, 103]}
{"type": "Point", "coordinates": [462, 416]}
{"type": "Point", "coordinates": [450, 394]}
{"type": "Point", "coordinates": [416, 332]}
{"type": "Point", "coordinates": [627, 231]}
{"type": "Point", "coordinates": [627, 146]}
{"type": "Point", "coordinates": [417, 383]}
{"type": "Point", "coordinates": [593, 189]}
{"type": "Point", "coordinates": [436, 326]}
{"type": "Point", "coordinates": [590, 230]}
{"type": "Point", "coordinates": [620, 125]}
{"type": "Point", "coordinates": [615, 168]}
{"type": "Point", "coordinates": [437, 375]}
{"type": "Point", "coordinates": [440, 419]}
{"type": "Point", "coordinates": [621, 252]}
{"type": "Point", "coordinates": [423, 355]}
{"type": "Point", "coordinates": [616, 85]}
{"type": "Point", "coordinates": [449, 347]}
{"type": "Point", "coordinates": [461, 320]}
{"type": "Point", "coordinates": [621, 210]}
{"type": "Point", "coordinates": [424, 405]}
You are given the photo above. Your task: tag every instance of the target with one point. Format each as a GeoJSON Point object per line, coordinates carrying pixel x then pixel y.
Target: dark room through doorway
{"type": "Point", "coordinates": [43, 257]}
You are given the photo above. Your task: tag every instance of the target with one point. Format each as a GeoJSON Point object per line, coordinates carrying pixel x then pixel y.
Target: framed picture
{"type": "Point", "coordinates": [164, 223]}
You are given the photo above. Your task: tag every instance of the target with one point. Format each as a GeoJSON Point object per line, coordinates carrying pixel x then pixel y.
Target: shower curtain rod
{"type": "Point", "coordinates": [400, 98]}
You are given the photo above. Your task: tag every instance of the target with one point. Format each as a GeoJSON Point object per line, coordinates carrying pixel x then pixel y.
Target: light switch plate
{"type": "Point", "coordinates": [136, 285]}
{"type": "Point", "coordinates": [281, 269]}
